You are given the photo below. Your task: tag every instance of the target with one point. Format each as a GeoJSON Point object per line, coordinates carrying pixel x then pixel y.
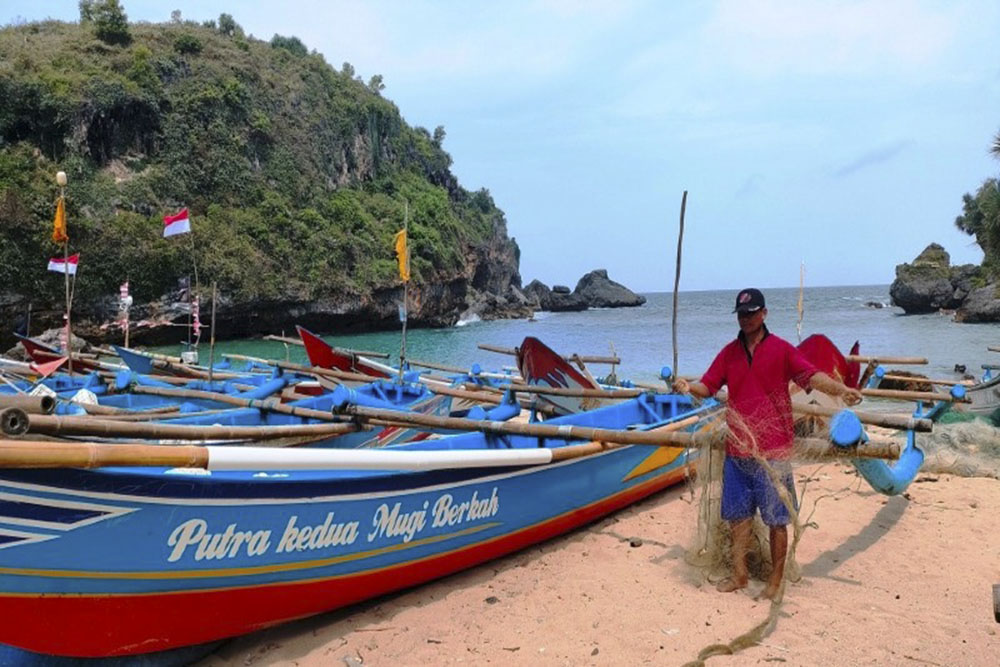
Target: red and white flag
{"type": "Point", "coordinates": [176, 224]}
{"type": "Point", "coordinates": [64, 265]}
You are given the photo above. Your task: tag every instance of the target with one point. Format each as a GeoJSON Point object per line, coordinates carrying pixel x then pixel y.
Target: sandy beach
{"type": "Point", "coordinates": [885, 581]}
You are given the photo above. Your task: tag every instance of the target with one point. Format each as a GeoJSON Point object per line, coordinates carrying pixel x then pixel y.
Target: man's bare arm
{"type": "Point", "coordinates": [829, 386]}
{"type": "Point", "coordinates": [698, 389]}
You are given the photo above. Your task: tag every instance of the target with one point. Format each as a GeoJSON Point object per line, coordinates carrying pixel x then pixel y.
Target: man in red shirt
{"type": "Point", "coordinates": [757, 368]}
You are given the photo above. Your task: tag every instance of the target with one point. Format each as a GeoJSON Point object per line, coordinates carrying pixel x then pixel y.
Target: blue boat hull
{"type": "Point", "coordinates": [125, 561]}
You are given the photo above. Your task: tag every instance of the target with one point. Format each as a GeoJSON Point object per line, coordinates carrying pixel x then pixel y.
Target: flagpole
{"type": "Point", "coordinates": [61, 180]}
{"type": "Point", "coordinates": [211, 344]}
{"type": "Point", "coordinates": [406, 283]}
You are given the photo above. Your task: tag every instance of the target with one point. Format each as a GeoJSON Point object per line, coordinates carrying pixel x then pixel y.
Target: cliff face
{"type": "Point", "coordinates": [296, 175]}
{"type": "Point", "coordinates": [930, 284]}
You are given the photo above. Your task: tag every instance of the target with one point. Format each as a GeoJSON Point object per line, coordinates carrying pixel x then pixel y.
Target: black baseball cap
{"type": "Point", "coordinates": [749, 300]}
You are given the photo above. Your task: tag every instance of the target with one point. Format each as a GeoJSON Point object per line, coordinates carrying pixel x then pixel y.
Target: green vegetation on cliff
{"type": "Point", "coordinates": [295, 173]}
{"type": "Point", "coordinates": [981, 217]}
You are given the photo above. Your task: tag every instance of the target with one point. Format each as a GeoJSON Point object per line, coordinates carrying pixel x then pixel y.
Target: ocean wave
{"type": "Point", "coordinates": [472, 319]}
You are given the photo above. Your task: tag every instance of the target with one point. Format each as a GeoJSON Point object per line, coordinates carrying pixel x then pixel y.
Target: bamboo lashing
{"type": "Point", "coordinates": [865, 359]}
{"type": "Point", "coordinates": [586, 359]}
{"type": "Point", "coordinates": [88, 426]}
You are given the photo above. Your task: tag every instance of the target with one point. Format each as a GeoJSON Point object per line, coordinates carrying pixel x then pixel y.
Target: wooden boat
{"type": "Point", "coordinates": [41, 353]}
{"type": "Point", "coordinates": [125, 561]}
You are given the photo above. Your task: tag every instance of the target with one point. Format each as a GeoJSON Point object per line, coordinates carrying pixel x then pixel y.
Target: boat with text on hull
{"type": "Point", "coordinates": [125, 561]}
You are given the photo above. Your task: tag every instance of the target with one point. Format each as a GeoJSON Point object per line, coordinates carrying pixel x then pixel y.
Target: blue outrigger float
{"type": "Point", "coordinates": [122, 561]}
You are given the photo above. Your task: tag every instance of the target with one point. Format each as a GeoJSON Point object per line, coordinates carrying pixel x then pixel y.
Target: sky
{"type": "Point", "coordinates": [836, 134]}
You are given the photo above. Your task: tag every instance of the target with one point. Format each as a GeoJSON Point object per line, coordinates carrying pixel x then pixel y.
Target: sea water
{"type": "Point", "coordinates": [642, 337]}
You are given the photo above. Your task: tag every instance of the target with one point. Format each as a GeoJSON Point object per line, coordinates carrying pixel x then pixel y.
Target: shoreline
{"type": "Point", "coordinates": [904, 580]}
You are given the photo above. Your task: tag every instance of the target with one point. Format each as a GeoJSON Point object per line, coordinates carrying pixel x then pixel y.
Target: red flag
{"type": "Point", "coordinates": [176, 224]}
{"type": "Point", "coordinates": [65, 265]}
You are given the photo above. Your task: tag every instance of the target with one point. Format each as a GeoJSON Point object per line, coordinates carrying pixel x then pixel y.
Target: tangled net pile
{"type": "Point", "coordinates": [712, 551]}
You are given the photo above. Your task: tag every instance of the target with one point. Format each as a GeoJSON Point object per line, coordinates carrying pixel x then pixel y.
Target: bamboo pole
{"type": "Point", "coordinates": [910, 378]}
{"type": "Point", "coordinates": [270, 404]}
{"type": "Point", "coordinates": [108, 410]}
{"type": "Point", "coordinates": [88, 426]}
{"type": "Point", "coordinates": [586, 359]}
{"type": "Point", "coordinates": [902, 422]}
{"type": "Point", "coordinates": [992, 348]}
{"type": "Point", "coordinates": [285, 339]}
{"type": "Point", "coordinates": [38, 405]}
{"type": "Point", "coordinates": [211, 343]}
{"type": "Point", "coordinates": [864, 359]}
{"type": "Point", "coordinates": [677, 279]}
{"type": "Point", "coordinates": [41, 454]}
{"type": "Point", "coordinates": [13, 421]}
{"type": "Point", "coordinates": [562, 431]}
{"type": "Point", "coordinates": [912, 395]}
{"type": "Point", "coordinates": [566, 391]}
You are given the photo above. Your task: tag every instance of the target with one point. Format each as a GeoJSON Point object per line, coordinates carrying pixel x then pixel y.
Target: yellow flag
{"type": "Point", "coordinates": [402, 254]}
{"type": "Point", "coordinates": [59, 224]}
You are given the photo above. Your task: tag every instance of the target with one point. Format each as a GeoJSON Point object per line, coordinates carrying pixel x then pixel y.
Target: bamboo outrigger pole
{"type": "Point", "coordinates": [589, 359]}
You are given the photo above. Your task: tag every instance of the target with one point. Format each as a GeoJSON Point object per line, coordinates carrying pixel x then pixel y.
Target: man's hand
{"type": "Point", "coordinates": [851, 396]}
{"type": "Point", "coordinates": [681, 386]}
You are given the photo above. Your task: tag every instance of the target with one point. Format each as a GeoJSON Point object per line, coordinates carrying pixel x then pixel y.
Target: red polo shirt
{"type": "Point", "coordinates": [758, 392]}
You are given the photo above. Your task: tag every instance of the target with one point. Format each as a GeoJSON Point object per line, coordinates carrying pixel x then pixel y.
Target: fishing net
{"type": "Point", "coordinates": [712, 551]}
{"type": "Point", "coordinates": [968, 449]}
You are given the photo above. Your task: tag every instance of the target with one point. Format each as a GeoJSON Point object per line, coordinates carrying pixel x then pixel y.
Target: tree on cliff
{"type": "Point", "coordinates": [981, 217]}
{"type": "Point", "coordinates": [109, 19]}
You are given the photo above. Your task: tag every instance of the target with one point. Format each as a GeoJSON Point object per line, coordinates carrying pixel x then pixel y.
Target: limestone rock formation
{"type": "Point", "coordinates": [930, 283]}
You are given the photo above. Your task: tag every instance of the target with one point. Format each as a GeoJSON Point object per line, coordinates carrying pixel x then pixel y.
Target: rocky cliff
{"type": "Point", "coordinates": [297, 176]}
{"type": "Point", "coordinates": [930, 284]}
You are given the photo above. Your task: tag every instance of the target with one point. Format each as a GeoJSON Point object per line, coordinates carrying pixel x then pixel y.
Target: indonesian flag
{"type": "Point", "coordinates": [176, 224]}
{"type": "Point", "coordinates": [67, 265]}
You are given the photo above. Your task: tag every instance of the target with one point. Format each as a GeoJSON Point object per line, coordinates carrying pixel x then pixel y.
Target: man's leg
{"type": "Point", "coordinates": [776, 515]}
{"type": "Point", "coordinates": [738, 510]}
{"type": "Point", "coordinates": [779, 551]}
{"type": "Point", "coordinates": [741, 539]}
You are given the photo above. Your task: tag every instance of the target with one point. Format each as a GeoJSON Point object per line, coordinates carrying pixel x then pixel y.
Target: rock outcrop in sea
{"type": "Point", "coordinates": [593, 290]}
{"type": "Point", "coordinates": [930, 284]}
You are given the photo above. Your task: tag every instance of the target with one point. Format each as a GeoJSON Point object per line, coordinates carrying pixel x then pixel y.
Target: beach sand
{"type": "Point", "coordinates": [885, 581]}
